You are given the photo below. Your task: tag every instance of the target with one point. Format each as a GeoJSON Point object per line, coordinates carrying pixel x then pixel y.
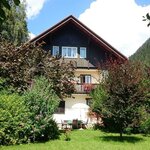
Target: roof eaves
{"type": "Point", "coordinates": [53, 28]}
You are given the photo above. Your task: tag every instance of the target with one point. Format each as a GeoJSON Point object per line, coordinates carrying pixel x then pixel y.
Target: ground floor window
{"type": "Point", "coordinates": [61, 107]}
{"type": "Point", "coordinates": [89, 101]}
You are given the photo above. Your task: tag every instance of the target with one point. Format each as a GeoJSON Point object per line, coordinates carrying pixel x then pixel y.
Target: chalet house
{"type": "Point", "coordinates": [74, 41]}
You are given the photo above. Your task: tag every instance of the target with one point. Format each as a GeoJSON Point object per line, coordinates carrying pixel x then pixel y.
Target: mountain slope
{"type": "Point", "coordinates": [143, 53]}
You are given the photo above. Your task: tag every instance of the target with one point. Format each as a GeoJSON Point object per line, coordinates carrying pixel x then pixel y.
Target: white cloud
{"type": "Point", "coordinates": [31, 35]}
{"type": "Point", "coordinates": [34, 7]}
{"type": "Point", "coordinates": [119, 22]}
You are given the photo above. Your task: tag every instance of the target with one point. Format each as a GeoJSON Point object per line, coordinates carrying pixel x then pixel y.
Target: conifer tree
{"type": "Point", "coordinates": [14, 26]}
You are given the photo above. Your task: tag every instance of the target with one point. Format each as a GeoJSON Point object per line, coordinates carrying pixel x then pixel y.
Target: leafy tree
{"type": "Point", "coordinates": [147, 18]}
{"type": "Point", "coordinates": [6, 4]}
{"type": "Point", "coordinates": [20, 65]}
{"type": "Point", "coordinates": [14, 27]}
{"type": "Point", "coordinates": [42, 101]}
{"type": "Point", "coordinates": [126, 93]}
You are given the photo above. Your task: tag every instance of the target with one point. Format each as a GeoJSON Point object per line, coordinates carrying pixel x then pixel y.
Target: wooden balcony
{"type": "Point", "coordinates": [85, 88]}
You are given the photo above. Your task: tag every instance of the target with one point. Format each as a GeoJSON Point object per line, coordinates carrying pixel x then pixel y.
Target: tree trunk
{"type": "Point", "coordinates": [121, 132]}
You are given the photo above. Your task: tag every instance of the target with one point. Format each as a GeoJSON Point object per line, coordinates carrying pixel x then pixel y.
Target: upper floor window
{"type": "Point", "coordinates": [55, 50]}
{"type": "Point", "coordinates": [69, 52]}
{"type": "Point", "coordinates": [85, 79]}
{"type": "Point", "coordinates": [82, 52]}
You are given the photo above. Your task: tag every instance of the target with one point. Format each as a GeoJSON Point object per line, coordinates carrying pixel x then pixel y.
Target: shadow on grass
{"type": "Point", "coordinates": [129, 139]}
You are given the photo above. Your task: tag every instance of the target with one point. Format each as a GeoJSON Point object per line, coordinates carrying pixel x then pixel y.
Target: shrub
{"type": "Point", "coordinates": [42, 102]}
{"type": "Point", "coordinates": [145, 127]}
{"type": "Point", "coordinates": [67, 135]}
{"type": "Point", "coordinates": [145, 123]}
{"type": "Point", "coordinates": [98, 126]}
{"type": "Point", "coordinates": [109, 125]}
{"type": "Point", "coordinates": [13, 120]}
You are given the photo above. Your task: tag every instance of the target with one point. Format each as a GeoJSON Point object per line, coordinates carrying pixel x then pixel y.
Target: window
{"type": "Point", "coordinates": [55, 50]}
{"type": "Point", "coordinates": [89, 101]}
{"type": "Point", "coordinates": [61, 108]}
{"type": "Point", "coordinates": [82, 52]}
{"type": "Point", "coordinates": [86, 79]}
{"type": "Point", "coordinates": [69, 52]}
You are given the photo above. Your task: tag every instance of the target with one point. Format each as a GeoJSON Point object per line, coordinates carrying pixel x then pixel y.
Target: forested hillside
{"type": "Point", "coordinates": [143, 53]}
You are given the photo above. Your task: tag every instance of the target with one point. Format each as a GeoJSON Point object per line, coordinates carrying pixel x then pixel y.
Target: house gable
{"type": "Point", "coordinates": [70, 32]}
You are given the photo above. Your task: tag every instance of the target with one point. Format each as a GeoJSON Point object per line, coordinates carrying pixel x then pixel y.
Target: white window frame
{"type": "Point", "coordinates": [55, 50]}
{"type": "Point", "coordinates": [85, 51]}
{"type": "Point", "coordinates": [66, 50]}
{"type": "Point", "coordinates": [87, 78]}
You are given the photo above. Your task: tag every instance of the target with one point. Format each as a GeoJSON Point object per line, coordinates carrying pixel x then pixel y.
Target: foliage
{"type": "Point", "coordinates": [14, 27]}
{"type": "Point", "coordinates": [6, 4]}
{"type": "Point", "coordinates": [13, 119]}
{"type": "Point", "coordinates": [67, 133]}
{"type": "Point", "coordinates": [19, 66]}
{"type": "Point", "coordinates": [127, 93]}
{"type": "Point", "coordinates": [142, 54]}
{"type": "Point", "coordinates": [61, 74]}
{"type": "Point", "coordinates": [42, 101]}
{"type": "Point", "coordinates": [147, 18]}
{"type": "Point", "coordinates": [99, 95]}
{"type": "Point", "coordinates": [2, 84]}
{"type": "Point", "coordinates": [144, 122]}
{"type": "Point", "coordinates": [145, 126]}
{"type": "Point", "coordinates": [147, 92]}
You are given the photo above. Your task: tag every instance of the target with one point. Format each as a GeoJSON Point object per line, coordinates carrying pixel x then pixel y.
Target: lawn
{"type": "Point", "coordinates": [89, 140]}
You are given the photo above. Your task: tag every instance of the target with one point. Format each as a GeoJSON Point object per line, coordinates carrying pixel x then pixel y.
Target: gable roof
{"type": "Point", "coordinates": [84, 29]}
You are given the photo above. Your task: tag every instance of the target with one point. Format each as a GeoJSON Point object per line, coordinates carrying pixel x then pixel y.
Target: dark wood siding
{"type": "Point", "coordinates": [70, 35]}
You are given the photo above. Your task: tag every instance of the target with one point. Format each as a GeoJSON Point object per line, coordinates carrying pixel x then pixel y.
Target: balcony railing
{"type": "Point", "coordinates": [83, 88]}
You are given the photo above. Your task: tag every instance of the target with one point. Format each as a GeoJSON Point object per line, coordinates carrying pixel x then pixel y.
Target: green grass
{"type": "Point", "coordinates": [89, 140]}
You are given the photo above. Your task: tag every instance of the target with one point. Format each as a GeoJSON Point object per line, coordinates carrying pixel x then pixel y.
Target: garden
{"type": "Point", "coordinates": [31, 88]}
{"type": "Point", "coordinates": [32, 83]}
{"type": "Point", "coordinates": [89, 140]}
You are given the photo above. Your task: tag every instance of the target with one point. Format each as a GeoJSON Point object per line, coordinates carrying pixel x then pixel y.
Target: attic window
{"type": "Point", "coordinates": [55, 50]}
{"type": "Point", "coordinates": [82, 52]}
{"type": "Point", "coordinates": [69, 52]}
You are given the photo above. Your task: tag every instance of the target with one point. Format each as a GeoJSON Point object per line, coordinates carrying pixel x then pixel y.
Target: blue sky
{"type": "Point", "coordinates": [143, 2]}
{"type": "Point", "coordinates": [54, 11]}
{"type": "Point", "coordinates": [110, 19]}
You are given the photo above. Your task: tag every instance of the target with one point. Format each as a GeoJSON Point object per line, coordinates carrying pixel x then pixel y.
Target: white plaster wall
{"type": "Point", "coordinates": [75, 108]}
